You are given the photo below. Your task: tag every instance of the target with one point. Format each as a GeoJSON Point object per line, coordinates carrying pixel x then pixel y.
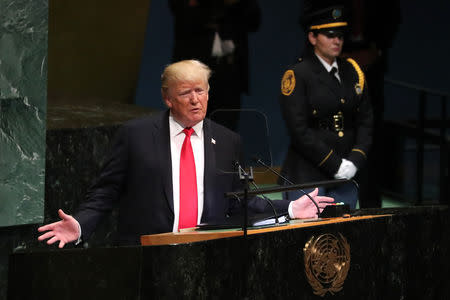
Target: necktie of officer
{"type": "Point", "coordinates": [188, 184]}
{"type": "Point", "coordinates": [333, 72]}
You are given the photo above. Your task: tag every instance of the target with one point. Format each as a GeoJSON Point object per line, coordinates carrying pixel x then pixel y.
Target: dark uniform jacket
{"type": "Point", "coordinates": [326, 121]}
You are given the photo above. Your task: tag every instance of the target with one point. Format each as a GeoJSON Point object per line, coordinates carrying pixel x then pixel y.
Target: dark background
{"type": "Point", "coordinates": [419, 55]}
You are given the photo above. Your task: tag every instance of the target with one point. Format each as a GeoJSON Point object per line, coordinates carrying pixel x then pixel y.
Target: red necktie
{"type": "Point", "coordinates": [188, 184]}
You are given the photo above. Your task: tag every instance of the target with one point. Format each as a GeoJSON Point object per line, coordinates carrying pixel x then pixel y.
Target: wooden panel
{"type": "Point", "coordinates": [95, 50]}
{"type": "Point", "coordinates": [191, 235]}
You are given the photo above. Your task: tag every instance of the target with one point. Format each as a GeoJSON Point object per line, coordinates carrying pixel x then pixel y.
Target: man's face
{"type": "Point", "coordinates": [187, 101]}
{"type": "Point", "coordinates": [326, 47]}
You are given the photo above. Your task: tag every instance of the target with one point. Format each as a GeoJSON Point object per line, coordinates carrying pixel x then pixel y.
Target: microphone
{"type": "Point", "coordinates": [242, 173]}
{"type": "Point", "coordinates": [259, 161]}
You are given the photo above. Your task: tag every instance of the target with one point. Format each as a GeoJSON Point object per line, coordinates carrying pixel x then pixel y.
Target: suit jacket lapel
{"type": "Point", "coordinates": [210, 167]}
{"type": "Point", "coordinates": [162, 137]}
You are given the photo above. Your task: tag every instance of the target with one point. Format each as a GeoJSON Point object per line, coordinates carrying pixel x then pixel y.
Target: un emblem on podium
{"type": "Point", "coordinates": [327, 261]}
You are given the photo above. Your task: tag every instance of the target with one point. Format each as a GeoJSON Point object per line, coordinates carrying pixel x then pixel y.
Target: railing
{"type": "Point", "coordinates": [418, 130]}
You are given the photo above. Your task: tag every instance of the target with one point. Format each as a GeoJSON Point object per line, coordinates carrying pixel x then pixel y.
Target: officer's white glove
{"type": "Point", "coordinates": [351, 170]}
{"type": "Point", "coordinates": [347, 170]}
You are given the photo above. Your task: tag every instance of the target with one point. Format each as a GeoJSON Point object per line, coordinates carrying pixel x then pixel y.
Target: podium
{"type": "Point", "coordinates": [191, 235]}
{"type": "Point", "coordinates": [381, 254]}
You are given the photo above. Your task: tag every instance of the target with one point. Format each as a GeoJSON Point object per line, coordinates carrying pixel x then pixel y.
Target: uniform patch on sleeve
{"type": "Point", "coordinates": [288, 83]}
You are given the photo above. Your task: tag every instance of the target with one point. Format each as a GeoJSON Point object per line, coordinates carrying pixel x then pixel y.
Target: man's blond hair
{"type": "Point", "coordinates": [184, 71]}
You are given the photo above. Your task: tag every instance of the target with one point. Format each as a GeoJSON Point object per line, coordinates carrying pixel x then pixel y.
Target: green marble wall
{"type": "Point", "coordinates": [23, 94]}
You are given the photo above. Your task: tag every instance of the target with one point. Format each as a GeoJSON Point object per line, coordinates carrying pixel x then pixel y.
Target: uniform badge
{"type": "Point", "coordinates": [336, 13]}
{"type": "Point", "coordinates": [358, 89]}
{"type": "Point", "coordinates": [288, 83]}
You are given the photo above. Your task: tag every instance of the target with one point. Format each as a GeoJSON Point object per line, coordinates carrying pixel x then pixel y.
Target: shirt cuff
{"type": "Point", "coordinates": [291, 213]}
{"type": "Point", "coordinates": [79, 235]}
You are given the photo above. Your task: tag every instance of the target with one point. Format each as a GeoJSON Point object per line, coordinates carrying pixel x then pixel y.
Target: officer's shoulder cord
{"type": "Point", "coordinates": [358, 70]}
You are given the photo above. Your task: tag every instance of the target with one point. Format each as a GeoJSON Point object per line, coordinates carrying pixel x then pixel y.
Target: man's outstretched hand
{"type": "Point", "coordinates": [65, 231]}
{"type": "Point", "coordinates": [304, 208]}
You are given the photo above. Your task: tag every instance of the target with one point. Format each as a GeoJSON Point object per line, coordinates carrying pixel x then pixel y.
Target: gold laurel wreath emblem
{"type": "Point", "coordinates": [327, 261]}
{"type": "Point", "coordinates": [288, 83]}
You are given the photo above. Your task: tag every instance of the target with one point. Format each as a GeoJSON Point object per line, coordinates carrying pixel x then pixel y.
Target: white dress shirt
{"type": "Point", "coordinates": [176, 142]}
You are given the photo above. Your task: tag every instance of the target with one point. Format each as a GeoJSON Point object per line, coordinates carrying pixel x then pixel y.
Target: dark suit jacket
{"type": "Point", "coordinates": [315, 152]}
{"type": "Point", "coordinates": [138, 175]}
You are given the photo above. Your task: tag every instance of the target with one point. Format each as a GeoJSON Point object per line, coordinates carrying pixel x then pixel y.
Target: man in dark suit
{"type": "Point", "coordinates": [326, 106]}
{"type": "Point", "coordinates": [216, 33]}
{"type": "Point", "coordinates": [169, 171]}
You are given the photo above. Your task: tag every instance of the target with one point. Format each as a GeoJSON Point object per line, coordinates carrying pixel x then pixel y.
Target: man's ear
{"type": "Point", "coordinates": [168, 102]}
{"type": "Point", "coordinates": [312, 38]}
{"type": "Point", "coordinates": [166, 99]}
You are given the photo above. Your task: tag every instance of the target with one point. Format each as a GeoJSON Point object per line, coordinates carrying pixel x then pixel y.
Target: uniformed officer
{"type": "Point", "coordinates": [326, 107]}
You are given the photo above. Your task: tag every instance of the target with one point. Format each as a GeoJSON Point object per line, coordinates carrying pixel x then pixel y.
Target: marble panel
{"type": "Point", "coordinates": [23, 92]}
{"type": "Point", "coordinates": [77, 142]}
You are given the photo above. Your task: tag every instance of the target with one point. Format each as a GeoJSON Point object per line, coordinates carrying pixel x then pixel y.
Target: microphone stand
{"type": "Point", "coordinates": [246, 178]}
{"type": "Point", "coordinates": [277, 222]}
